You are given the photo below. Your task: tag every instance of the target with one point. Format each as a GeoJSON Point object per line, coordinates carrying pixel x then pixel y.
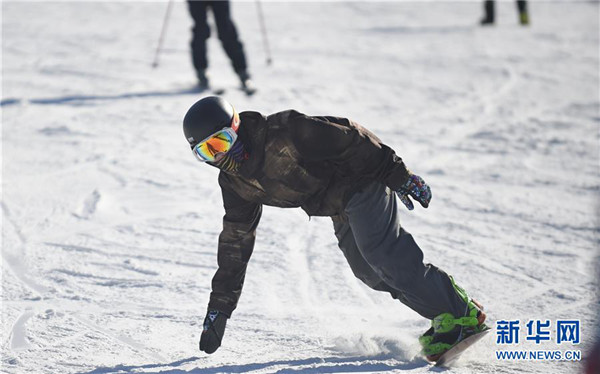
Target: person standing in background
{"type": "Point", "coordinates": [489, 9]}
{"type": "Point", "coordinates": [227, 34]}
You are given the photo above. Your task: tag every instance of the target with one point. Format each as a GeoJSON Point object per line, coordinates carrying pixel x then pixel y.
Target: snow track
{"type": "Point", "coordinates": [18, 334]}
{"type": "Point", "coordinates": [110, 227]}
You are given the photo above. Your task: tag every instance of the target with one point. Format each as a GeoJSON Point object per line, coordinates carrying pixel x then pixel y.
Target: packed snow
{"type": "Point", "coordinates": [110, 225]}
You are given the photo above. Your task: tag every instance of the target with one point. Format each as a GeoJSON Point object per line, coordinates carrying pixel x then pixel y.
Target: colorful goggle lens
{"type": "Point", "coordinates": [218, 143]}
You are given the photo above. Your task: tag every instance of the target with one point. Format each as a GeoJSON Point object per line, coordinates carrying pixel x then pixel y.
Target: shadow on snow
{"type": "Point", "coordinates": [316, 365]}
{"type": "Point", "coordinates": [81, 99]}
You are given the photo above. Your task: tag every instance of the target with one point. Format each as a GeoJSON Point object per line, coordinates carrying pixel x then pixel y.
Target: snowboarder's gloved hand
{"type": "Point", "coordinates": [213, 330]}
{"type": "Point", "coordinates": [416, 187]}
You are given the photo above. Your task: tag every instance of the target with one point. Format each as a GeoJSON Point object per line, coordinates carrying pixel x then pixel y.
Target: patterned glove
{"type": "Point", "coordinates": [416, 187]}
{"type": "Point", "coordinates": [212, 333]}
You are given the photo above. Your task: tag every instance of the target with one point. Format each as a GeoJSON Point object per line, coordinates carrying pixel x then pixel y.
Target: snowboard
{"type": "Point", "coordinates": [453, 354]}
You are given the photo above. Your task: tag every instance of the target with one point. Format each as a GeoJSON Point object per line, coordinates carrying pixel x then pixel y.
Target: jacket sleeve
{"type": "Point", "coordinates": [236, 243]}
{"type": "Point", "coordinates": [354, 150]}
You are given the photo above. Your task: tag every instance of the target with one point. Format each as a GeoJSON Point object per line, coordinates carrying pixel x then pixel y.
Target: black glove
{"type": "Point", "coordinates": [213, 330]}
{"type": "Point", "coordinates": [415, 187]}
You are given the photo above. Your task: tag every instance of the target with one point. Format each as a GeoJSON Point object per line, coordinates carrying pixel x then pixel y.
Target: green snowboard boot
{"type": "Point", "coordinates": [447, 330]}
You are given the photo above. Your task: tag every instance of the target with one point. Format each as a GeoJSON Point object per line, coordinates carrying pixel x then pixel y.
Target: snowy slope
{"type": "Point", "coordinates": [109, 224]}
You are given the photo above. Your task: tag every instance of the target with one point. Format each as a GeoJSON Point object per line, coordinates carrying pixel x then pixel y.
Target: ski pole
{"type": "Point", "coordinates": [263, 30]}
{"type": "Point", "coordinates": [163, 31]}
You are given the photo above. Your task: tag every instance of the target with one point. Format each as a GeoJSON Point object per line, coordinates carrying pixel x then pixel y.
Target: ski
{"type": "Point", "coordinates": [248, 87]}
{"type": "Point", "coordinates": [212, 90]}
{"type": "Point", "coordinates": [218, 91]}
{"type": "Point", "coordinates": [248, 90]}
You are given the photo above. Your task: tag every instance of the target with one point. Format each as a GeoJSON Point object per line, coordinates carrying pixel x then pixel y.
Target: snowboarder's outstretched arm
{"type": "Point", "coordinates": [236, 243]}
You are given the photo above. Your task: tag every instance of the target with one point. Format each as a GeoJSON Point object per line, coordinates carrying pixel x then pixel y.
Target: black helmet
{"type": "Point", "coordinates": [206, 117]}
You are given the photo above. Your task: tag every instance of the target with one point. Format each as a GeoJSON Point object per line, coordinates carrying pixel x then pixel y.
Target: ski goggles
{"type": "Point", "coordinates": [218, 143]}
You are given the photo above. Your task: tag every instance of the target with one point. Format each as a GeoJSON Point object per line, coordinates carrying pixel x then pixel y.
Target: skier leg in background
{"type": "Point", "coordinates": [489, 13]}
{"type": "Point", "coordinates": [523, 14]}
{"type": "Point", "coordinates": [200, 33]}
{"type": "Point", "coordinates": [386, 258]}
{"type": "Point", "coordinates": [489, 16]}
{"type": "Point", "coordinates": [230, 40]}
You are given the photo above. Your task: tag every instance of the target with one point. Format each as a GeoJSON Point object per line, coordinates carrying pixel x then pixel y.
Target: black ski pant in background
{"type": "Point", "coordinates": [386, 258]}
{"type": "Point", "coordinates": [490, 11]}
{"type": "Point", "coordinates": [227, 34]}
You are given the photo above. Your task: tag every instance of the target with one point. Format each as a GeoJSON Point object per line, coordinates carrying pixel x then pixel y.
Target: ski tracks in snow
{"type": "Point", "coordinates": [18, 334]}
{"type": "Point", "coordinates": [45, 300]}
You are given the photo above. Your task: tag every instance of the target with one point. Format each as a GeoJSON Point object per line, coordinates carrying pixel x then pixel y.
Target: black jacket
{"type": "Point", "coordinates": [315, 163]}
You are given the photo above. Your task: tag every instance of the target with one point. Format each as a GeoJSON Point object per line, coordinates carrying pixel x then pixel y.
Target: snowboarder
{"type": "Point", "coordinates": [227, 34]}
{"type": "Point", "coordinates": [328, 166]}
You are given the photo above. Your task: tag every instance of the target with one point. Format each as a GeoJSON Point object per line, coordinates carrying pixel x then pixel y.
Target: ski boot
{"type": "Point", "coordinates": [524, 18]}
{"type": "Point", "coordinates": [523, 14]}
{"type": "Point", "coordinates": [446, 330]}
{"type": "Point", "coordinates": [203, 84]}
{"type": "Point", "coordinates": [486, 21]}
{"type": "Point", "coordinates": [246, 83]}
{"type": "Point", "coordinates": [488, 18]}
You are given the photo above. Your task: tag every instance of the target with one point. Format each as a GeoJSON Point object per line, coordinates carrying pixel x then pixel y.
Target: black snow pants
{"type": "Point", "coordinates": [489, 7]}
{"type": "Point", "coordinates": [226, 30]}
{"type": "Point", "coordinates": [386, 258]}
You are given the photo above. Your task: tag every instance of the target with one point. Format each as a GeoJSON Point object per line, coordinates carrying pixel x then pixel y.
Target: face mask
{"type": "Point", "coordinates": [233, 159]}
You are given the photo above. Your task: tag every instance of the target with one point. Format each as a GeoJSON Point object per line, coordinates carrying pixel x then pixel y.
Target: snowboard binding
{"type": "Point", "coordinates": [447, 331]}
